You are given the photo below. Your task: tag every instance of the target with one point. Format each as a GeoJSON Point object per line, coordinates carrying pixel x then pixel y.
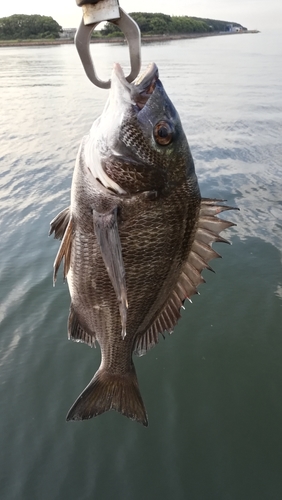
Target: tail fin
{"type": "Point", "coordinates": [109, 391]}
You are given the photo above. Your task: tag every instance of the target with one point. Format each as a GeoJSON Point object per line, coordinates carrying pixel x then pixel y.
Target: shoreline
{"type": "Point", "coordinates": [144, 39]}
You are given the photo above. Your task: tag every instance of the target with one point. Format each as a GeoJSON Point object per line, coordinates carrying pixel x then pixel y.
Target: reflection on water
{"type": "Point", "coordinates": [213, 388]}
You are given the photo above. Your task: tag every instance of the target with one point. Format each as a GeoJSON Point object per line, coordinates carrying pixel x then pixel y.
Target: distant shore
{"type": "Point", "coordinates": [144, 39]}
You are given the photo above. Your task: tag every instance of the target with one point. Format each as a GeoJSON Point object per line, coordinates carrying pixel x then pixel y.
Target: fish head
{"type": "Point", "coordinates": [138, 142]}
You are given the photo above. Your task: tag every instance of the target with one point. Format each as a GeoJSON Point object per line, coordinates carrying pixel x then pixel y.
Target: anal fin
{"type": "Point", "coordinates": [106, 230]}
{"type": "Point", "coordinates": [76, 332]}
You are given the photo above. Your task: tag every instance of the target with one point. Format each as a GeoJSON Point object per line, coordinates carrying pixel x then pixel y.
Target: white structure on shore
{"type": "Point", "coordinates": [234, 29]}
{"type": "Point", "coordinates": [68, 33]}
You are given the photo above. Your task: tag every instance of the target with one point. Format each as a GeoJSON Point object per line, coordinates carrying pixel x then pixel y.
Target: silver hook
{"type": "Point", "coordinates": [131, 32]}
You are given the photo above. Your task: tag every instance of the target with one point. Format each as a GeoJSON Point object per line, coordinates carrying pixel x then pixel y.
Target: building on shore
{"type": "Point", "coordinates": [68, 33]}
{"type": "Point", "coordinates": [230, 28]}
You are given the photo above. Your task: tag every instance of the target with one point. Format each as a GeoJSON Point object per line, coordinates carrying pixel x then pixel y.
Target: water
{"type": "Point", "coordinates": [212, 389]}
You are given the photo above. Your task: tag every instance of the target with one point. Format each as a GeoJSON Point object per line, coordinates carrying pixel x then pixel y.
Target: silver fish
{"type": "Point", "coordinates": [135, 238]}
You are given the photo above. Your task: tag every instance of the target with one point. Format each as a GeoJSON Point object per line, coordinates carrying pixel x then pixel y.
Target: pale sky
{"type": "Point", "coordinates": [254, 14]}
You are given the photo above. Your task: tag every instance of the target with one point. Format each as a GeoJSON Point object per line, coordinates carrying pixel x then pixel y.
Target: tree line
{"type": "Point", "coordinates": [21, 27]}
{"type": "Point", "coordinates": [163, 24]}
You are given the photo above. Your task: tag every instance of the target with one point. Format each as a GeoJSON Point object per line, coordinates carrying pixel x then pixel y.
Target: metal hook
{"type": "Point", "coordinates": [132, 34]}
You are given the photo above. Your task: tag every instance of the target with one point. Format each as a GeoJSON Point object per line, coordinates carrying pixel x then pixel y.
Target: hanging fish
{"type": "Point", "coordinates": [135, 238]}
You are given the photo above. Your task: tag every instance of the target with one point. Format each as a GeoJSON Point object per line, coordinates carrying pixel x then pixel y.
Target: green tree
{"type": "Point", "coordinates": [215, 25]}
{"type": "Point", "coordinates": [21, 26]}
{"type": "Point", "coordinates": [162, 24]}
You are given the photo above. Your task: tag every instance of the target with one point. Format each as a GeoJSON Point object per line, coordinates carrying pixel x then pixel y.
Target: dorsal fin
{"type": "Point", "coordinates": [208, 228]}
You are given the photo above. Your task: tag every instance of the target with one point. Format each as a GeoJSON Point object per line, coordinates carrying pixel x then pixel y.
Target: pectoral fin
{"type": "Point", "coordinates": [106, 230]}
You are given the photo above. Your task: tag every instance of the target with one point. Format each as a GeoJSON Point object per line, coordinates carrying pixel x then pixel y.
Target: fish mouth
{"type": "Point", "coordinates": [142, 87]}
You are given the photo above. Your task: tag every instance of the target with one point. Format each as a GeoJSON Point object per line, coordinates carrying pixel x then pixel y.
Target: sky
{"type": "Point", "coordinates": [253, 14]}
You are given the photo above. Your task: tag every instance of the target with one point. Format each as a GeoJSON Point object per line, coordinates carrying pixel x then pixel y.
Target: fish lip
{"type": "Point", "coordinates": [147, 77]}
{"type": "Point", "coordinates": [142, 87]}
{"type": "Point", "coordinates": [118, 74]}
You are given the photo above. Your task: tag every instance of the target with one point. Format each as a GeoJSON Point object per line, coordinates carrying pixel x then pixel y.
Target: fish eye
{"type": "Point", "coordinates": [163, 133]}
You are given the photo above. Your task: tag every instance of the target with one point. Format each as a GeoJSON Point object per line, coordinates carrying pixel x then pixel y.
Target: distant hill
{"type": "Point", "coordinates": [163, 24]}
{"type": "Point", "coordinates": [36, 27]}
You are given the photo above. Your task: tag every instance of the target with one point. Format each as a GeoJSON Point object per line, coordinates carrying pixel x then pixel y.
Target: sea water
{"type": "Point", "coordinates": [212, 389]}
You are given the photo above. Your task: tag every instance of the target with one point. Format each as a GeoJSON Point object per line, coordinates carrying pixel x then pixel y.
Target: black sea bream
{"type": "Point", "coordinates": [135, 238]}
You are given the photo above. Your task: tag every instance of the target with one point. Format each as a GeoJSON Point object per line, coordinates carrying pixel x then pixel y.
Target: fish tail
{"type": "Point", "coordinates": [110, 391]}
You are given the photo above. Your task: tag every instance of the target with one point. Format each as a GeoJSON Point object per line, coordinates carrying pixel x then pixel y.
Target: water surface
{"type": "Point", "coordinates": [213, 388]}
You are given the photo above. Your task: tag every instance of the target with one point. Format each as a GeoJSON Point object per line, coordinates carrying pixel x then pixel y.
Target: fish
{"type": "Point", "coordinates": [135, 238]}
